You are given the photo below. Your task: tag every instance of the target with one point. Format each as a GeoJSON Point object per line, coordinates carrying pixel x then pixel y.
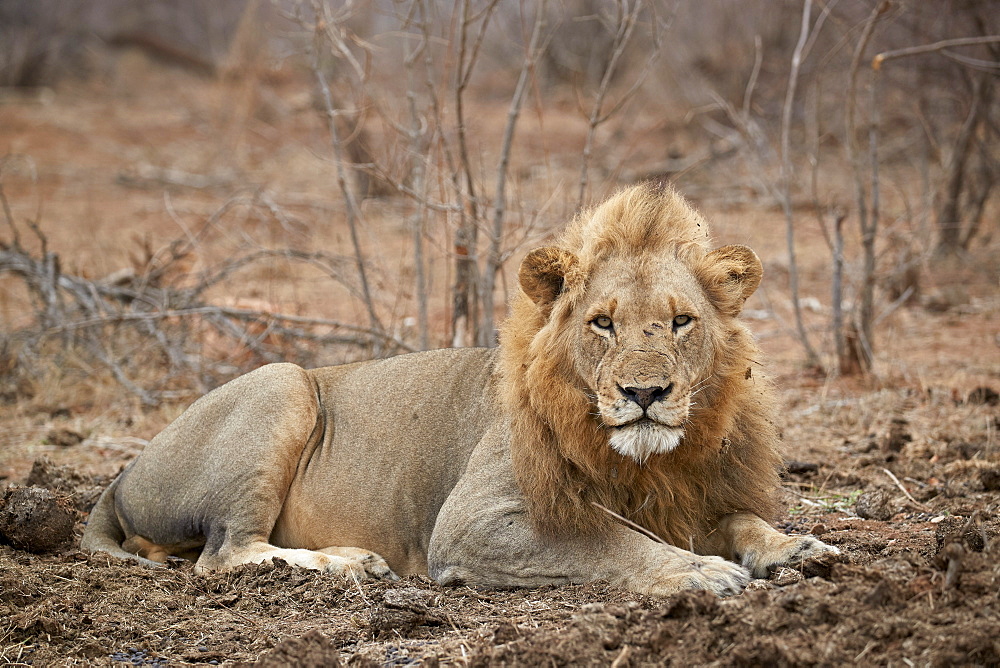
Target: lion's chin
{"type": "Point", "coordinates": [640, 440]}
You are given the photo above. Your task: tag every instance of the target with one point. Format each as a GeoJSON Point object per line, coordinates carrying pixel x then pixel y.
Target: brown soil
{"type": "Point", "coordinates": [902, 471]}
{"type": "Point", "coordinates": [919, 587]}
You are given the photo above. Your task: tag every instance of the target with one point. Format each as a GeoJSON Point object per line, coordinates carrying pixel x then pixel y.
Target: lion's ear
{"type": "Point", "coordinates": [543, 273]}
{"type": "Point", "coordinates": [730, 275]}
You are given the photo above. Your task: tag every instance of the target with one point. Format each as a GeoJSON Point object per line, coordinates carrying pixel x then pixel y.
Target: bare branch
{"type": "Point", "coordinates": [15, 236]}
{"type": "Point", "coordinates": [352, 210]}
{"type": "Point", "coordinates": [625, 25]}
{"type": "Point", "coordinates": [867, 220]}
{"type": "Point", "coordinates": [930, 48]}
{"type": "Point", "coordinates": [786, 177]}
{"type": "Point", "coordinates": [493, 261]}
{"type": "Point", "coordinates": [230, 312]}
{"type": "Point", "coordinates": [758, 59]}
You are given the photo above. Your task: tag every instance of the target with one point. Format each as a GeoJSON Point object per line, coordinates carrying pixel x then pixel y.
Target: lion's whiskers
{"type": "Point", "coordinates": [697, 387]}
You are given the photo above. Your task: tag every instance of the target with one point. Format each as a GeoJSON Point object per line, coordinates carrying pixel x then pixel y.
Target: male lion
{"type": "Point", "coordinates": [621, 390]}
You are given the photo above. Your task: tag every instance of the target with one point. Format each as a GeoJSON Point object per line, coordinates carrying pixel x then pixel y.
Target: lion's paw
{"type": "Point", "coordinates": [376, 566]}
{"type": "Point", "coordinates": [719, 576]}
{"type": "Point", "coordinates": [796, 551]}
{"type": "Point", "coordinates": [357, 563]}
{"type": "Point", "coordinates": [714, 574]}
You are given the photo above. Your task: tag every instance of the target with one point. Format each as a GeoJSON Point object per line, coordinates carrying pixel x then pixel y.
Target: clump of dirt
{"type": "Point", "coordinates": [36, 520]}
{"type": "Point", "coordinates": [989, 478]}
{"type": "Point", "coordinates": [80, 490]}
{"type": "Point", "coordinates": [312, 649]}
{"type": "Point", "coordinates": [898, 436]}
{"type": "Point", "coordinates": [968, 532]}
{"type": "Point", "coordinates": [399, 612]}
{"type": "Point", "coordinates": [64, 437]}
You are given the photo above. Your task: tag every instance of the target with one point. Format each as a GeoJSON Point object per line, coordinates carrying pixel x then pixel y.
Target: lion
{"type": "Point", "coordinates": [619, 432]}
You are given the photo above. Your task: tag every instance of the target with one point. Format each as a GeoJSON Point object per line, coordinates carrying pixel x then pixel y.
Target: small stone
{"type": "Point", "coordinates": [875, 504]}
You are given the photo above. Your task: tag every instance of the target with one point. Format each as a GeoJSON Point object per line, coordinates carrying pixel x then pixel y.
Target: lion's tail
{"type": "Point", "coordinates": [104, 532]}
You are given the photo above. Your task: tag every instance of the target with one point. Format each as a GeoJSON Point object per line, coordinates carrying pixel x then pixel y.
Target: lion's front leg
{"type": "Point", "coordinates": [484, 536]}
{"type": "Point", "coordinates": [760, 548]}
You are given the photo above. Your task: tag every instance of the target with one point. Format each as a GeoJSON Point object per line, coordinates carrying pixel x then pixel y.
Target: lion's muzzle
{"type": "Point", "coordinates": [645, 419]}
{"type": "Point", "coordinates": [646, 396]}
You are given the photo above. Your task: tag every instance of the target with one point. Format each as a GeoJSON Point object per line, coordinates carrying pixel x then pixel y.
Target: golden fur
{"type": "Point", "coordinates": [730, 459]}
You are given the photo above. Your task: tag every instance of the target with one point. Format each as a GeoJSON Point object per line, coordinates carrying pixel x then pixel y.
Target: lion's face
{"type": "Point", "coordinates": [643, 347]}
{"type": "Point", "coordinates": [641, 333]}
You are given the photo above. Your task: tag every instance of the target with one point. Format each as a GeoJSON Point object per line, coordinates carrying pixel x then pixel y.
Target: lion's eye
{"type": "Point", "coordinates": [603, 322]}
{"type": "Point", "coordinates": [681, 320]}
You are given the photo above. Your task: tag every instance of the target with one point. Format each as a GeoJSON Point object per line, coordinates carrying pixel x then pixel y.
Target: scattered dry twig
{"type": "Point", "coordinates": [906, 492]}
{"type": "Point", "coordinates": [153, 314]}
{"type": "Point", "coordinates": [638, 527]}
{"type": "Point", "coordinates": [928, 48]}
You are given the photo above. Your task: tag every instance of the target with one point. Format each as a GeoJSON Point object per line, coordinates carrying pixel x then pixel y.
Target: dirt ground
{"type": "Point", "coordinates": [900, 471]}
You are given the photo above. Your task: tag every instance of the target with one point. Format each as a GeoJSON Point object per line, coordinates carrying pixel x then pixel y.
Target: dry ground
{"type": "Point", "coordinates": [902, 471]}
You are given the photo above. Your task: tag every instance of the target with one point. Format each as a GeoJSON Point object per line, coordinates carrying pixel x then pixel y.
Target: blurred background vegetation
{"type": "Point", "coordinates": [449, 136]}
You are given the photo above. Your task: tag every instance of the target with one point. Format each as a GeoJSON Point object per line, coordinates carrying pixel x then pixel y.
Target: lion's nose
{"type": "Point", "coordinates": [646, 396]}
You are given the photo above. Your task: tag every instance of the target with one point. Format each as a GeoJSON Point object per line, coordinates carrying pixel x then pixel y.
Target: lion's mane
{"type": "Point", "coordinates": [728, 459]}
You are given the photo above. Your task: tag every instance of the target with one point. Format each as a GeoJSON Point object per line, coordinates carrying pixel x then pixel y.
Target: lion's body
{"type": "Point", "coordinates": [624, 385]}
{"type": "Point", "coordinates": [357, 446]}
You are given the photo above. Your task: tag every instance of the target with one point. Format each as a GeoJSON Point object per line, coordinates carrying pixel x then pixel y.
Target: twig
{"type": "Point", "coordinates": [16, 240]}
{"type": "Point", "coordinates": [837, 289]}
{"type": "Point", "coordinates": [758, 59]}
{"type": "Point", "coordinates": [891, 308]}
{"type": "Point", "coordinates": [145, 175]}
{"type": "Point", "coordinates": [928, 48]}
{"type": "Point", "coordinates": [638, 527]}
{"type": "Point", "coordinates": [623, 657]}
{"type": "Point", "coordinates": [904, 490]}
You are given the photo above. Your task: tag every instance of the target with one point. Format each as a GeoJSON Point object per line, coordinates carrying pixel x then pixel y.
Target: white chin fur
{"type": "Point", "coordinates": [643, 439]}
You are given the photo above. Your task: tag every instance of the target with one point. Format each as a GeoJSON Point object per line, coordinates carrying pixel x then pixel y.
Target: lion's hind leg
{"type": "Point", "coordinates": [346, 561]}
